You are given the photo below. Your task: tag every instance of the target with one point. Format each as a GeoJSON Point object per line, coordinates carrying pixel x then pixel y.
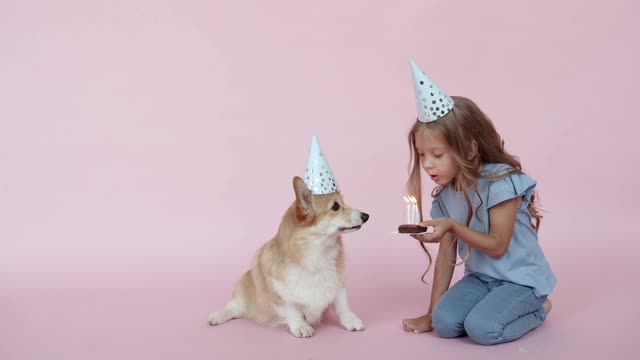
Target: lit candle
{"type": "Point", "coordinates": [415, 218]}
{"type": "Point", "coordinates": [408, 201]}
{"type": "Point", "coordinates": [413, 212]}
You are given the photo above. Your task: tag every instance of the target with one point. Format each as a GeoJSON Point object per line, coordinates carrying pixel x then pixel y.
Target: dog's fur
{"type": "Point", "coordinates": [299, 273]}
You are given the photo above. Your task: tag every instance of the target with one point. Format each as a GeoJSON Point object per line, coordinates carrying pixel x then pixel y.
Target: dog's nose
{"type": "Point", "coordinates": [364, 217]}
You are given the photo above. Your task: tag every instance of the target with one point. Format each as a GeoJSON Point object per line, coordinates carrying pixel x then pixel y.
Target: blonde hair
{"type": "Point", "coordinates": [461, 127]}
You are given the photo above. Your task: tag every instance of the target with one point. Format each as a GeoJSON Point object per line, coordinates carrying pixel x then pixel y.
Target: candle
{"type": "Point", "coordinates": [413, 212]}
{"type": "Point", "coordinates": [408, 201]}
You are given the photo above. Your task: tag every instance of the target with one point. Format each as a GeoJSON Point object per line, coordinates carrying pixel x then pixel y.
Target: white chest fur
{"type": "Point", "coordinates": [314, 283]}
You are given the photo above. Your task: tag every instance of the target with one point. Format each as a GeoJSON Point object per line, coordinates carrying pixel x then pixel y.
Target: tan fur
{"type": "Point", "coordinates": [293, 273]}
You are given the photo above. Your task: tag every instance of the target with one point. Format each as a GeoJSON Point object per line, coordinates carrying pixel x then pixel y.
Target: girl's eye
{"type": "Point", "coordinates": [437, 156]}
{"type": "Point", "coordinates": [420, 155]}
{"type": "Point", "coordinates": [335, 206]}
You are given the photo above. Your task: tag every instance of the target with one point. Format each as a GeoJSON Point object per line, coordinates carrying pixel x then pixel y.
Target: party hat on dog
{"type": "Point", "coordinates": [318, 175]}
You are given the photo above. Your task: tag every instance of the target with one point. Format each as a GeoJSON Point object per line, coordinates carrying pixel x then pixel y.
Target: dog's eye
{"type": "Point", "coordinates": [335, 206]}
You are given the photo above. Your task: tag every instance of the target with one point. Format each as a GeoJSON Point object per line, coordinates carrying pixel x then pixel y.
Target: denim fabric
{"type": "Point", "coordinates": [490, 311]}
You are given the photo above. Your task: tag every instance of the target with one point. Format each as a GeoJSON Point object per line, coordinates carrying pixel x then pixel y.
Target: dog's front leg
{"type": "Point", "coordinates": [347, 318]}
{"type": "Point", "coordinates": [294, 318]}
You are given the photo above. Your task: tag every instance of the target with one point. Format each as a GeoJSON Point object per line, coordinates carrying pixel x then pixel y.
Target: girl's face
{"type": "Point", "coordinates": [436, 156]}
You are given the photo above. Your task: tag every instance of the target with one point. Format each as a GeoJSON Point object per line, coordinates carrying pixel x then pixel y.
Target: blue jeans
{"type": "Point", "coordinates": [490, 312]}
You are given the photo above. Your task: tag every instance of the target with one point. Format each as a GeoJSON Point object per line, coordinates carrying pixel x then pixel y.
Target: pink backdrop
{"type": "Point", "coordinates": [147, 150]}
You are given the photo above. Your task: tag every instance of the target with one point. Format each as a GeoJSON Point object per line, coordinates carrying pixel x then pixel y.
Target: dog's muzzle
{"type": "Point", "coordinates": [351, 228]}
{"type": "Point", "coordinates": [364, 217]}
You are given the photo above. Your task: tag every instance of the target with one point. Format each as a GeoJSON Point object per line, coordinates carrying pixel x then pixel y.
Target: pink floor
{"type": "Point", "coordinates": [157, 309]}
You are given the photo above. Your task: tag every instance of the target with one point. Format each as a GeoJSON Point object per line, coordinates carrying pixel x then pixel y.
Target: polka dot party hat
{"type": "Point", "coordinates": [433, 103]}
{"type": "Point", "coordinates": [317, 175]}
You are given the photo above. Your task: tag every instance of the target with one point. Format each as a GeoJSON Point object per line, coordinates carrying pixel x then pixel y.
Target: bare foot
{"type": "Point", "coordinates": [418, 325]}
{"type": "Point", "coordinates": [547, 306]}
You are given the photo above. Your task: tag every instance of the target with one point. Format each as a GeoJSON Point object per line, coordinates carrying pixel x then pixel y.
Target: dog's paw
{"type": "Point", "coordinates": [218, 318]}
{"type": "Point", "coordinates": [301, 330]}
{"type": "Point", "coordinates": [351, 322]}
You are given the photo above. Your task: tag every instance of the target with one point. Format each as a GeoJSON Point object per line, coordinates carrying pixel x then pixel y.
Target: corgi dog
{"type": "Point", "coordinates": [299, 273]}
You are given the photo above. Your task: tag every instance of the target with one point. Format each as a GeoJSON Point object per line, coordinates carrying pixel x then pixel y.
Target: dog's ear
{"type": "Point", "coordinates": [304, 198]}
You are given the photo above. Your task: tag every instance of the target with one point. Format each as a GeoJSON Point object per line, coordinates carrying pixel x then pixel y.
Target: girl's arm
{"type": "Point", "coordinates": [445, 262]}
{"type": "Point", "coordinates": [443, 272]}
{"type": "Point", "coordinates": [502, 219]}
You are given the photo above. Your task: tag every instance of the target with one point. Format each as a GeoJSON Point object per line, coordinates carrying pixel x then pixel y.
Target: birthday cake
{"type": "Point", "coordinates": [413, 218]}
{"type": "Point", "coordinates": [411, 229]}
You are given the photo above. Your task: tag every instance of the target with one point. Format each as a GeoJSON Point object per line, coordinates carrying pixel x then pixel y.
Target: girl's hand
{"type": "Point", "coordinates": [418, 325]}
{"type": "Point", "coordinates": [441, 226]}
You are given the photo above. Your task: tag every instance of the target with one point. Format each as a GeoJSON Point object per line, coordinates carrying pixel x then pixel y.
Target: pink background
{"type": "Point", "coordinates": [147, 150]}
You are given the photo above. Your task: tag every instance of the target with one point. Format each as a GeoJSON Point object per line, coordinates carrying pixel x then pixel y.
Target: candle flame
{"type": "Point", "coordinates": [410, 199]}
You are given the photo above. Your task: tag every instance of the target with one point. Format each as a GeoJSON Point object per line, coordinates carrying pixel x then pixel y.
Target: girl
{"type": "Point", "coordinates": [484, 209]}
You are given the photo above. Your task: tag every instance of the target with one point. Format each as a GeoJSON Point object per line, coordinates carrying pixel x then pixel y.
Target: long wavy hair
{"type": "Point", "coordinates": [461, 127]}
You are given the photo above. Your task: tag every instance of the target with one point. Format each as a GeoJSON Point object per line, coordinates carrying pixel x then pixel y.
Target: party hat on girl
{"type": "Point", "coordinates": [433, 103]}
{"type": "Point", "coordinates": [318, 175]}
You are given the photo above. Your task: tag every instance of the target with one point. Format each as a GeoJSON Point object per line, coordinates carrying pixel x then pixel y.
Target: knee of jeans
{"type": "Point", "coordinates": [445, 323]}
{"type": "Point", "coordinates": [483, 331]}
